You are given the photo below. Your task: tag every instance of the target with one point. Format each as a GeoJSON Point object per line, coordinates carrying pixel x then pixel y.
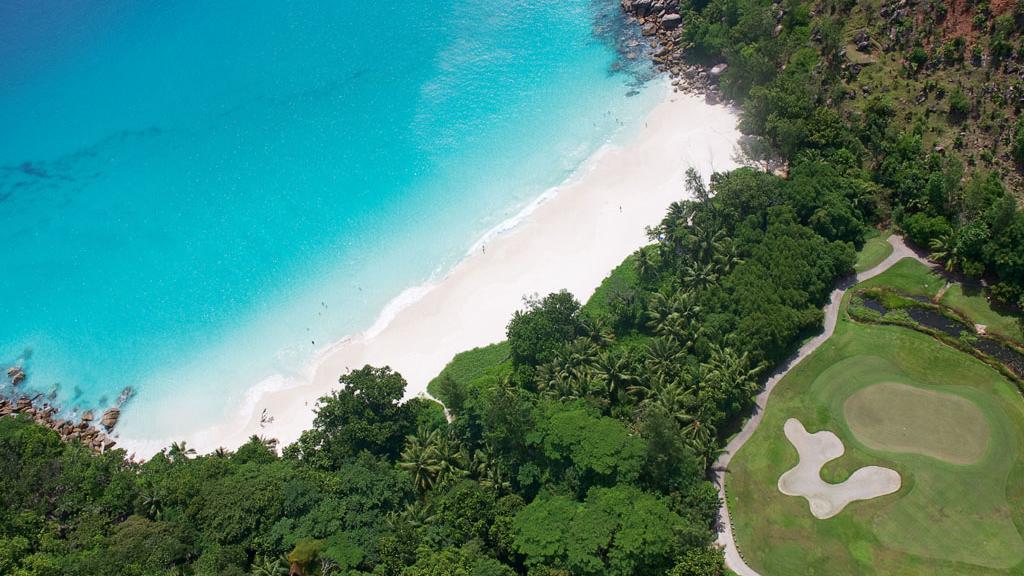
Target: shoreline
{"type": "Point", "coordinates": [571, 236]}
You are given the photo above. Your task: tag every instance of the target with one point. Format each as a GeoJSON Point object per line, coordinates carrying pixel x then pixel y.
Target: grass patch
{"type": "Point", "coordinates": [974, 305]}
{"type": "Point", "coordinates": [622, 279]}
{"type": "Point", "coordinates": [910, 277]}
{"type": "Point", "coordinates": [900, 418]}
{"type": "Point", "coordinates": [946, 518]}
{"type": "Point", "coordinates": [475, 367]}
{"type": "Point", "coordinates": [876, 249]}
{"type": "Point", "coordinates": [482, 366]}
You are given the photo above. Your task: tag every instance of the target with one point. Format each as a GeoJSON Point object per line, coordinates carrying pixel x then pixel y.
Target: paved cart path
{"type": "Point", "coordinates": [733, 559]}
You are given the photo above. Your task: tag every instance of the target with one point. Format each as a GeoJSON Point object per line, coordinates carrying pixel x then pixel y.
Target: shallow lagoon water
{"type": "Point", "coordinates": [195, 199]}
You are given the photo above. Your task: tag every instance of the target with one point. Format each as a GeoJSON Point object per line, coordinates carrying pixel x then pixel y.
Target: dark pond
{"type": "Point", "coordinates": [938, 321]}
{"type": "Point", "coordinates": [1010, 357]}
{"type": "Point", "coordinates": [872, 304]}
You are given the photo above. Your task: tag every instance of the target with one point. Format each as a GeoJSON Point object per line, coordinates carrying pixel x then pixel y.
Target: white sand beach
{"type": "Point", "coordinates": [571, 239]}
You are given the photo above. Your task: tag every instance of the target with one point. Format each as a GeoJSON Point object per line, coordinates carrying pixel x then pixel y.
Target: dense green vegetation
{"type": "Point", "coordinates": [946, 519]}
{"type": "Point", "coordinates": [853, 90]}
{"type": "Point", "coordinates": [580, 445]}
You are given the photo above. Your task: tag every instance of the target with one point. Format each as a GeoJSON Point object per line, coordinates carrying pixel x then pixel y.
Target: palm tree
{"type": "Point", "coordinates": [663, 308]}
{"type": "Point", "coordinates": [488, 471]}
{"type": "Point", "coordinates": [417, 514]}
{"type": "Point", "coordinates": [644, 265]}
{"type": "Point", "coordinates": [702, 439]}
{"type": "Point", "coordinates": [597, 330]}
{"type": "Point", "coordinates": [727, 258]}
{"type": "Point", "coordinates": [266, 566]}
{"type": "Point", "coordinates": [451, 460]}
{"type": "Point", "coordinates": [707, 241]}
{"type": "Point", "coordinates": [572, 373]}
{"type": "Point", "coordinates": [269, 443]}
{"type": "Point", "coordinates": [180, 451]}
{"type": "Point", "coordinates": [420, 459]}
{"type": "Point", "coordinates": [732, 369]}
{"type": "Point", "coordinates": [695, 185]}
{"type": "Point", "coordinates": [729, 379]}
{"type": "Point", "coordinates": [553, 381]}
{"type": "Point", "coordinates": [613, 367]}
{"type": "Point", "coordinates": [152, 505]}
{"type": "Point", "coordinates": [700, 276]}
{"type": "Point", "coordinates": [221, 452]}
{"type": "Point", "coordinates": [662, 357]}
{"type": "Point", "coordinates": [673, 399]}
{"type": "Point", "coordinates": [946, 249]}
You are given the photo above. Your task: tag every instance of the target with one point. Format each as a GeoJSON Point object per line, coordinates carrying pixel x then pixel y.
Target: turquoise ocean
{"type": "Point", "coordinates": [197, 196]}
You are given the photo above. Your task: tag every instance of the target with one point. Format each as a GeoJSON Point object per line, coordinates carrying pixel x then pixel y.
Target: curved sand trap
{"type": "Point", "coordinates": [900, 418]}
{"type": "Point", "coordinates": [826, 499]}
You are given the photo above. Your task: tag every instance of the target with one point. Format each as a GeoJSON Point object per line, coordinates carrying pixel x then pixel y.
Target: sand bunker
{"type": "Point", "coordinates": [826, 499]}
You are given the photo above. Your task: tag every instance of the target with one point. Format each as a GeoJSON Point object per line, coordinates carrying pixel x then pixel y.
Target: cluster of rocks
{"type": "Point", "coordinates": [16, 374]}
{"type": "Point", "coordinates": [95, 435]}
{"type": "Point", "coordinates": [661, 25]}
{"type": "Point", "coordinates": [896, 26]}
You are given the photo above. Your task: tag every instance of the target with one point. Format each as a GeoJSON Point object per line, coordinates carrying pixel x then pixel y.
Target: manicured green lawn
{"type": "Point", "coordinates": [945, 519]}
{"type": "Point", "coordinates": [911, 277]}
{"type": "Point", "coordinates": [876, 249]}
{"type": "Point", "coordinates": [975, 306]}
{"type": "Point", "coordinates": [908, 276]}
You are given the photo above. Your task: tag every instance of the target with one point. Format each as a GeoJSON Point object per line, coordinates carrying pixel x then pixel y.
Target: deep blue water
{"type": "Point", "coordinates": [195, 196]}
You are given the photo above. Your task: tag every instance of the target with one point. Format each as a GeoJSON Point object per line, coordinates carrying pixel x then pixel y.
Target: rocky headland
{"type": "Point", "coordinates": [662, 26]}
{"type": "Point", "coordinates": [94, 434]}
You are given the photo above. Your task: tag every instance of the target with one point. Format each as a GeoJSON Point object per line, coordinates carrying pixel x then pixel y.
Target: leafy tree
{"type": "Point", "coordinates": [365, 414]}
{"type": "Point", "coordinates": [959, 105]}
{"type": "Point", "coordinates": [615, 531]}
{"type": "Point", "coordinates": [699, 562]}
{"type": "Point", "coordinates": [534, 333]}
{"type": "Point", "coordinates": [145, 545]}
{"type": "Point", "coordinates": [592, 450]}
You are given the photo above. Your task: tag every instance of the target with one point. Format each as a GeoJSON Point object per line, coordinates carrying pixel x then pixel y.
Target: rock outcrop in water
{"type": "Point", "coordinates": [662, 24]}
{"type": "Point", "coordinates": [16, 374]}
{"type": "Point", "coordinates": [110, 418]}
{"type": "Point", "coordinates": [46, 414]}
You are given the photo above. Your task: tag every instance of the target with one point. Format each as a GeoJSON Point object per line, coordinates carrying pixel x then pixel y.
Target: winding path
{"type": "Point", "coordinates": [733, 559]}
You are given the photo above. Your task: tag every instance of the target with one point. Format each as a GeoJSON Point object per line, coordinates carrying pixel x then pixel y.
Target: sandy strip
{"type": "Point", "coordinates": [826, 500]}
{"type": "Point", "coordinates": [571, 240]}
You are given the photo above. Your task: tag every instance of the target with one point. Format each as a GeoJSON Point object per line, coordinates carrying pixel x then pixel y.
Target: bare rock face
{"type": "Point", "coordinates": [718, 69]}
{"type": "Point", "coordinates": [671, 21]}
{"type": "Point", "coordinates": [863, 42]}
{"type": "Point", "coordinates": [87, 416]}
{"type": "Point", "coordinates": [110, 418]}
